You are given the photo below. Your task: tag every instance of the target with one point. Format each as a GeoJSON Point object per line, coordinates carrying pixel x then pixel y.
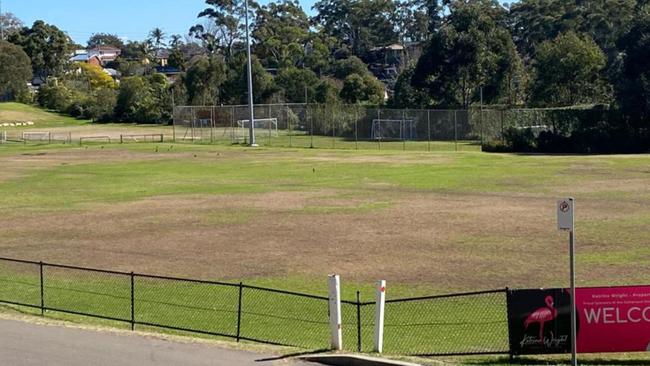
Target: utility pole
{"type": "Point", "coordinates": [251, 110]}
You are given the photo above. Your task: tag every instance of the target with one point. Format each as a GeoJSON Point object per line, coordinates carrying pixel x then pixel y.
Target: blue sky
{"type": "Point", "coordinates": [129, 19]}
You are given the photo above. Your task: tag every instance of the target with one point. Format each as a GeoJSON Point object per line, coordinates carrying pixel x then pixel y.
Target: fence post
{"type": "Point", "coordinates": [356, 128]}
{"type": "Point", "coordinates": [379, 316]}
{"type": "Point", "coordinates": [456, 129]}
{"type": "Point", "coordinates": [40, 265]}
{"type": "Point", "coordinates": [286, 117]}
{"type": "Point", "coordinates": [335, 312]}
{"type": "Point", "coordinates": [403, 127]}
{"type": "Point", "coordinates": [132, 301]}
{"type": "Point", "coordinates": [379, 122]}
{"type": "Point", "coordinates": [311, 128]}
{"type": "Point", "coordinates": [241, 290]}
{"type": "Point", "coordinates": [358, 321]}
{"type": "Point", "coordinates": [428, 130]}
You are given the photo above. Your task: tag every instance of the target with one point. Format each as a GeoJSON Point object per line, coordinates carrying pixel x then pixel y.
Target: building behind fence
{"type": "Point", "coordinates": [470, 323]}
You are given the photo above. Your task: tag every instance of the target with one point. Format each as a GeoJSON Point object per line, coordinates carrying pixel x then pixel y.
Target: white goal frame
{"type": "Point", "coordinates": [406, 129]}
{"type": "Point", "coordinates": [43, 136]}
{"type": "Point", "coordinates": [269, 125]}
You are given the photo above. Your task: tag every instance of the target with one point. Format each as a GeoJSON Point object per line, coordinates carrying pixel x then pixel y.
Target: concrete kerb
{"type": "Point", "coordinates": [353, 360]}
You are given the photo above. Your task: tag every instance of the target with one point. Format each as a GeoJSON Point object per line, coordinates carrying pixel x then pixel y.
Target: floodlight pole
{"type": "Point", "coordinates": [250, 84]}
{"type": "Point", "coordinates": [2, 25]}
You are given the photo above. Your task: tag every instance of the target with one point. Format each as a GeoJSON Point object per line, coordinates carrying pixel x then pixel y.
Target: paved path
{"type": "Point", "coordinates": [26, 344]}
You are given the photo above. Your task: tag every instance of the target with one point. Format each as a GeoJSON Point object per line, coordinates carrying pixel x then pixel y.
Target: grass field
{"type": "Point", "coordinates": [428, 222]}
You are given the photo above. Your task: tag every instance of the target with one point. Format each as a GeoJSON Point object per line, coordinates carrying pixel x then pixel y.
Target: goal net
{"type": "Point", "coordinates": [262, 126]}
{"type": "Point", "coordinates": [36, 136]}
{"type": "Point", "coordinates": [393, 129]}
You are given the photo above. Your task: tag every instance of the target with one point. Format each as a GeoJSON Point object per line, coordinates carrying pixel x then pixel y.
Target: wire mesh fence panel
{"type": "Point", "coordinates": [358, 326]}
{"type": "Point", "coordinates": [20, 283]}
{"type": "Point", "coordinates": [284, 318]}
{"type": "Point", "coordinates": [459, 324]}
{"type": "Point", "coordinates": [186, 305]}
{"type": "Point", "coordinates": [88, 292]}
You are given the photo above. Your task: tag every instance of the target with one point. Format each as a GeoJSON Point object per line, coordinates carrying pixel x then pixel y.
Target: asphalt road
{"type": "Point", "coordinates": [26, 344]}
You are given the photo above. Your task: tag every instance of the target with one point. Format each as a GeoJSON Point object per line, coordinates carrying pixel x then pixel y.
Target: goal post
{"type": "Point", "coordinates": [36, 136]}
{"type": "Point", "coordinates": [393, 129]}
{"type": "Point", "coordinates": [263, 125]}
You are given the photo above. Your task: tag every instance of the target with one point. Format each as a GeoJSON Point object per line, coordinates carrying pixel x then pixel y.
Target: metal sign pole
{"type": "Point", "coordinates": [565, 221]}
{"type": "Point", "coordinates": [574, 335]}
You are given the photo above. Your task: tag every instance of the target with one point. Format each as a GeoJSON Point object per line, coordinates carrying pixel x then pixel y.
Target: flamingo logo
{"type": "Point", "coordinates": [542, 316]}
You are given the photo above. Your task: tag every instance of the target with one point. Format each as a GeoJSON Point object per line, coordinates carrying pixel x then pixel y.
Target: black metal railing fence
{"type": "Point", "coordinates": [469, 323]}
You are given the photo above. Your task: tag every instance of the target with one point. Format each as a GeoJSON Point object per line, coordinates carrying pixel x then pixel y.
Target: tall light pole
{"type": "Point", "coordinates": [2, 24]}
{"type": "Point", "coordinates": [251, 117]}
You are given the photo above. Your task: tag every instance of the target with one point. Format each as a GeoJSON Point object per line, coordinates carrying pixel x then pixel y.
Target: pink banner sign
{"type": "Point", "coordinates": [615, 319]}
{"type": "Point", "coordinates": [610, 319]}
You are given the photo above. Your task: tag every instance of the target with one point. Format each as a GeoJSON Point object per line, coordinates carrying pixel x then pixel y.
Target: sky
{"type": "Point", "coordinates": [129, 19]}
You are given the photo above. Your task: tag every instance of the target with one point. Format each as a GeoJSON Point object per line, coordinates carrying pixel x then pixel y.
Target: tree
{"type": "Point", "coordinates": [406, 96]}
{"type": "Point", "coordinates": [157, 38]}
{"type": "Point", "coordinates": [47, 47]}
{"type": "Point", "coordinates": [361, 24]}
{"type": "Point", "coordinates": [139, 100]}
{"type": "Point", "coordinates": [96, 77]}
{"type": "Point", "coordinates": [357, 89]}
{"type": "Point", "coordinates": [235, 89]}
{"type": "Point", "coordinates": [535, 21]}
{"type": "Point", "coordinates": [203, 80]}
{"type": "Point", "coordinates": [320, 51]}
{"type": "Point", "coordinates": [105, 39]}
{"type": "Point", "coordinates": [352, 65]}
{"type": "Point", "coordinates": [15, 71]}
{"type": "Point", "coordinates": [281, 34]}
{"type": "Point", "coordinates": [9, 24]}
{"type": "Point", "coordinates": [327, 92]}
{"type": "Point", "coordinates": [226, 27]}
{"type": "Point", "coordinates": [472, 50]}
{"type": "Point", "coordinates": [297, 84]}
{"type": "Point", "coordinates": [176, 41]}
{"type": "Point", "coordinates": [568, 71]}
{"type": "Point", "coordinates": [177, 59]}
{"type": "Point", "coordinates": [633, 86]}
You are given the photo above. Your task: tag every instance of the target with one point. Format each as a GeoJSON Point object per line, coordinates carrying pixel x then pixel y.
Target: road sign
{"type": "Point", "coordinates": [565, 214]}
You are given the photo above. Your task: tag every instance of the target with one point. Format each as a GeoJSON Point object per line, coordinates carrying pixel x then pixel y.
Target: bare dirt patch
{"type": "Point", "coordinates": [442, 241]}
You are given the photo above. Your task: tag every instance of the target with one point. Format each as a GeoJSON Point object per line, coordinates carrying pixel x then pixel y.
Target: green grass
{"type": "Point", "coordinates": [377, 179]}
{"type": "Point", "coordinates": [16, 112]}
{"type": "Point", "coordinates": [425, 326]}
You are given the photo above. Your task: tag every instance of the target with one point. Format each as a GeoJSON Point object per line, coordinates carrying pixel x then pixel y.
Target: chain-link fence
{"type": "Point", "coordinates": [362, 127]}
{"type": "Point", "coordinates": [468, 323]}
{"type": "Point", "coordinates": [472, 323]}
{"type": "Point", "coordinates": [327, 126]}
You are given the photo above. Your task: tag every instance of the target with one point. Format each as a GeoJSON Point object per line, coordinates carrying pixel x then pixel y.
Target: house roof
{"type": "Point", "coordinates": [162, 54]}
{"type": "Point", "coordinates": [105, 48]}
{"type": "Point", "coordinates": [112, 72]}
{"type": "Point", "coordinates": [167, 70]}
{"type": "Point", "coordinates": [80, 58]}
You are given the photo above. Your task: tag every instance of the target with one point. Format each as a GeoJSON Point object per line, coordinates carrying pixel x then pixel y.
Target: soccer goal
{"type": "Point", "coordinates": [37, 136]}
{"type": "Point", "coordinates": [151, 137]}
{"type": "Point", "coordinates": [262, 125]}
{"type": "Point", "coordinates": [3, 137]}
{"type": "Point", "coordinates": [393, 129]}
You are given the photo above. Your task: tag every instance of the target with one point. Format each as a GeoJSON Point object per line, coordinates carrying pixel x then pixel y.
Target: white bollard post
{"type": "Point", "coordinates": [335, 312]}
{"type": "Point", "coordinates": [379, 316]}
